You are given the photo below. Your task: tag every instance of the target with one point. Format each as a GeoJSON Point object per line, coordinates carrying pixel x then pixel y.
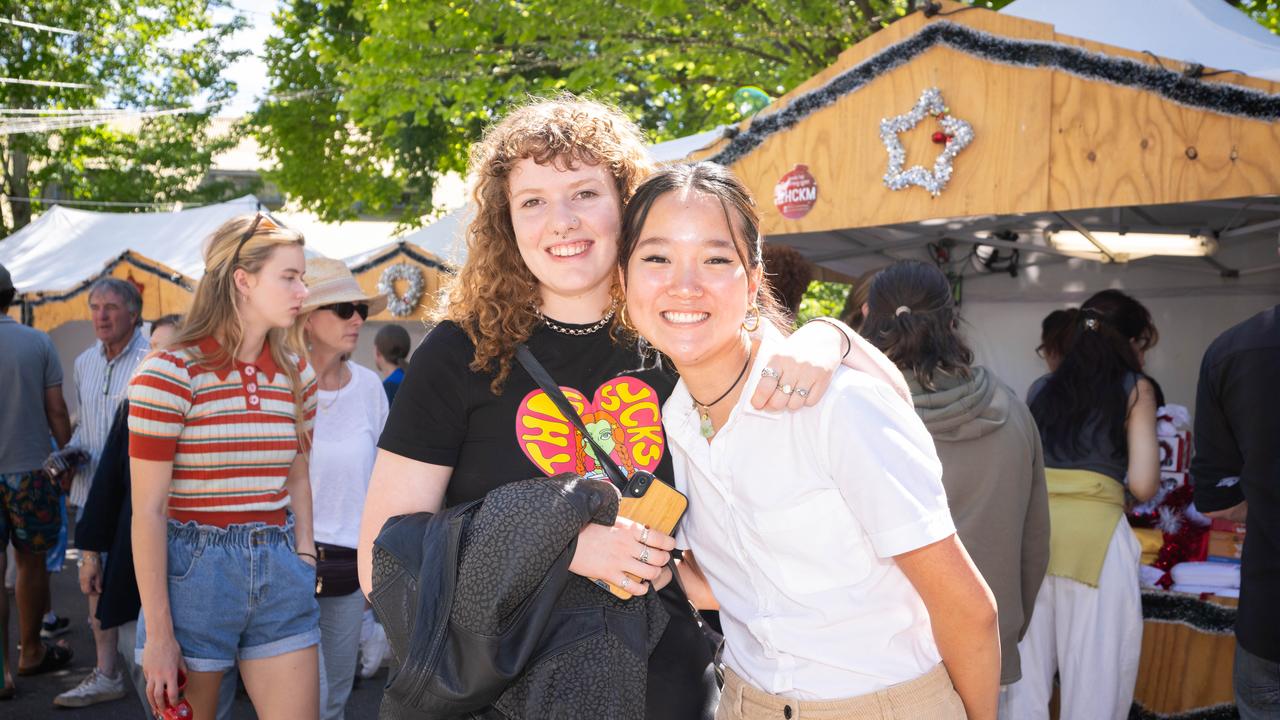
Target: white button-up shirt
{"type": "Point", "coordinates": [100, 386]}
{"type": "Point", "coordinates": [795, 518]}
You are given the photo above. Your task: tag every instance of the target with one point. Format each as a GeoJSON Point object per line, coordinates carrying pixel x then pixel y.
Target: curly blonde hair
{"type": "Point", "coordinates": [494, 297]}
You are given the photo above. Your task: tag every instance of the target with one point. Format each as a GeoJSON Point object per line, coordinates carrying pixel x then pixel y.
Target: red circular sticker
{"type": "Point", "coordinates": [795, 193]}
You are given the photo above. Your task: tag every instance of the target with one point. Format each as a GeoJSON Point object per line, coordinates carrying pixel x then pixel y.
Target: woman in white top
{"type": "Point", "coordinates": [822, 535]}
{"type": "Point", "coordinates": [351, 409]}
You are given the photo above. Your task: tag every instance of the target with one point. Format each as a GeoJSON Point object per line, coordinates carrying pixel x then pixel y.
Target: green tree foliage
{"type": "Point", "coordinates": [140, 54]}
{"type": "Point", "coordinates": [380, 96]}
{"type": "Point", "coordinates": [822, 299]}
{"type": "Point", "coordinates": [1266, 12]}
{"type": "Point", "coordinates": [384, 94]}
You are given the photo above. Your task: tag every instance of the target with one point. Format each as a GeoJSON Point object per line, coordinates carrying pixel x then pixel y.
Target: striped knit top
{"type": "Point", "coordinates": [228, 431]}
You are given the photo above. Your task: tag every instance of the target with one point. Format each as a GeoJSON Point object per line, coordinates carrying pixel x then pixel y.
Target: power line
{"type": "Point", "coordinates": [37, 26]}
{"type": "Point", "coordinates": [43, 124]}
{"type": "Point", "coordinates": [43, 83]}
{"type": "Point", "coordinates": [103, 203]}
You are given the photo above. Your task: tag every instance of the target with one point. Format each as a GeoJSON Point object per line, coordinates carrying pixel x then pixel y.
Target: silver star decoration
{"type": "Point", "coordinates": [929, 104]}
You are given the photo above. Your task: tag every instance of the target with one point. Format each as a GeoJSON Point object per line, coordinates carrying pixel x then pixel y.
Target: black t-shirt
{"type": "Point", "coordinates": [446, 414]}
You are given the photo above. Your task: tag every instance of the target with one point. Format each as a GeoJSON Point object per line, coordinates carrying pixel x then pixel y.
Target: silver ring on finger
{"type": "Point", "coordinates": [802, 392]}
{"type": "Point", "coordinates": [626, 583]}
{"type": "Point", "coordinates": [785, 389]}
{"type": "Point", "coordinates": [769, 372]}
{"type": "Point", "coordinates": [644, 535]}
{"type": "Point", "coordinates": [644, 555]}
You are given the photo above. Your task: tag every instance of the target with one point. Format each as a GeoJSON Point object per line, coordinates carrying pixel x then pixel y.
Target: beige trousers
{"type": "Point", "coordinates": [930, 696]}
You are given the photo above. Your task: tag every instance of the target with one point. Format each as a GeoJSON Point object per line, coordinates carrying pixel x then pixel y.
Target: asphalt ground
{"type": "Point", "coordinates": [35, 694]}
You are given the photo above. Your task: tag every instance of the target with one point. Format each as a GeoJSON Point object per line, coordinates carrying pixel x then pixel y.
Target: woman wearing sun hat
{"type": "Point", "coordinates": [351, 409]}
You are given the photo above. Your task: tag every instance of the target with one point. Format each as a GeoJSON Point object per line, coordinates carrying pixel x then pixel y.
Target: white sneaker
{"type": "Point", "coordinates": [95, 688]}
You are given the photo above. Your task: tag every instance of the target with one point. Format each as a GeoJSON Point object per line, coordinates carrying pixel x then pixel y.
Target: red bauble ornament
{"type": "Point", "coordinates": [939, 137]}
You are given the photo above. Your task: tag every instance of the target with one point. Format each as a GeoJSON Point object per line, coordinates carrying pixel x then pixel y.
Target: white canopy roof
{"type": "Point", "coordinates": [1209, 32]}
{"type": "Point", "coordinates": [64, 247]}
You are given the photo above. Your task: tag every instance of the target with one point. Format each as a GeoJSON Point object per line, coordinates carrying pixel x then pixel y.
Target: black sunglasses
{"type": "Point", "coordinates": [344, 310]}
{"type": "Point", "coordinates": [253, 228]}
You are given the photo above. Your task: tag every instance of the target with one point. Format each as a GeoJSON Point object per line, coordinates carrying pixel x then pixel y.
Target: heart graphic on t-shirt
{"type": "Point", "coordinates": [624, 418]}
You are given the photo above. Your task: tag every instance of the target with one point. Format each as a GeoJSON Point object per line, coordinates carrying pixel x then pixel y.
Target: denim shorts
{"type": "Point", "coordinates": [237, 593]}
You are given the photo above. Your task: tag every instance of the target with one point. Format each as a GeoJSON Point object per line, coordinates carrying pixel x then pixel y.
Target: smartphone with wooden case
{"type": "Point", "coordinates": [648, 501]}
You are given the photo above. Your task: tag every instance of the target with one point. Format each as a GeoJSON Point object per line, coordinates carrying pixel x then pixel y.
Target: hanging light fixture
{"type": "Point", "coordinates": [1123, 247]}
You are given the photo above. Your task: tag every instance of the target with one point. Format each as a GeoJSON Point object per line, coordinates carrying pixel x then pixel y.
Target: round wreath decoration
{"type": "Point", "coordinates": [401, 305]}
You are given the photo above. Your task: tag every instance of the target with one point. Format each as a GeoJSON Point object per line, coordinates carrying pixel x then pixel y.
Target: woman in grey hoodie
{"type": "Point", "coordinates": [992, 463]}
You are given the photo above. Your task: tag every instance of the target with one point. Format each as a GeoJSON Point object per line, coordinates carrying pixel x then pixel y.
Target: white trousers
{"type": "Point", "coordinates": [1091, 636]}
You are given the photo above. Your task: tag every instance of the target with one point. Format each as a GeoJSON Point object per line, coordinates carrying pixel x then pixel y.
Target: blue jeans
{"type": "Point", "coordinates": [237, 593]}
{"type": "Point", "coordinates": [1257, 685]}
{"type": "Point", "coordinates": [340, 619]}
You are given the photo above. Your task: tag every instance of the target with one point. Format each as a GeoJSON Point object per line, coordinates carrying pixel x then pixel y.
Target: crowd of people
{"type": "Point", "coordinates": [876, 526]}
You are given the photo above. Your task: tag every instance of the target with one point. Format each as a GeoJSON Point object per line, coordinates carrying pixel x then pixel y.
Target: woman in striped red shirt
{"type": "Point", "coordinates": [219, 431]}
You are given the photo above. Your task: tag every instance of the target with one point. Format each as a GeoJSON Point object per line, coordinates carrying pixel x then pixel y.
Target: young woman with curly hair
{"type": "Point", "coordinates": [549, 185]}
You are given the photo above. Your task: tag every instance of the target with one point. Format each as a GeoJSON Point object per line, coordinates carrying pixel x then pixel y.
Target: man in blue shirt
{"type": "Point", "coordinates": [33, 413]}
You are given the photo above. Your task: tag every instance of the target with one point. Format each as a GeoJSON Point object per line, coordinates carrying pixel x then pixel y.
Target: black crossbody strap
{"type": "Point", "coordinates": [549, 386]}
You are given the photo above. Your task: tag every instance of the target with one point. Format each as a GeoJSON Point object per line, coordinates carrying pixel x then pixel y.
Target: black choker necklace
{"type": "Point", "coordinates": [704, 409]}
{"type": "Point", "coordinates": [594, 327]}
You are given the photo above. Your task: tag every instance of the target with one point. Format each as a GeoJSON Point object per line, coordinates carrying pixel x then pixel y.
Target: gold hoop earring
{"type": "Point", "coordinates": [623, 320]}
{"type": "Point", "coordinates": [752, 314]}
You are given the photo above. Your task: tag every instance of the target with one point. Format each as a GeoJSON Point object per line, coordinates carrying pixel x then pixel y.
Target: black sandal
{"type": "Point", "coordinates": [55, 657]}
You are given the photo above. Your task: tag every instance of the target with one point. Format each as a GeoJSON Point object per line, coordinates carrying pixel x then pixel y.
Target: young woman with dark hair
{"type": "Point", "coordinates": [823, 536]}
{"type": "Point", "coordinates": [992, 464]}
{"type": "Point", "coordinates": [1052, 329]}
{"type": "Point", "coordinates": [1097, 416]}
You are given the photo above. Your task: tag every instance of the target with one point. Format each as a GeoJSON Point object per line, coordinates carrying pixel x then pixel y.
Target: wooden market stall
{"type": "Point", "coordinates": [970, 135]}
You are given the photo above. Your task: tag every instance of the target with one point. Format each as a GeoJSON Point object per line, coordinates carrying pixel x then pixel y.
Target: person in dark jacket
{"type": "Point", "coordinates": [1236, 472]}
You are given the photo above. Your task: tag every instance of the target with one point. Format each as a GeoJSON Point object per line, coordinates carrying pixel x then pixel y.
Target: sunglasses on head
{"type": "Point", "coordinates": [344, 310]}
{"type": "Point", "coordinates": [260, 219]}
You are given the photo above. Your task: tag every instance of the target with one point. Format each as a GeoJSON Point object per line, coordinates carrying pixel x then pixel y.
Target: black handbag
{"type": "Point", "coordinates": [336, 573]}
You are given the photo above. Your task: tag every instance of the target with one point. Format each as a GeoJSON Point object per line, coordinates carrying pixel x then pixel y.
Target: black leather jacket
{"type": "Point", "coordinates": [485, 620]}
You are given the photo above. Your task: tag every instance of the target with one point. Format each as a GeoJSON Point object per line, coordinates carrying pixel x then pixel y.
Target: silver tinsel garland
{"type": "Point", "coordinates": [1203, 94]}
{"type": "Point", "coordinates": [402, 305]}
{"type": "Point", "coordinates": [959, 135]}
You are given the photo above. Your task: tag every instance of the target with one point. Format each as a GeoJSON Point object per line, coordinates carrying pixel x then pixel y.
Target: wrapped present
{"type": "Point", "coordinates": [1226, 541]}
{"type": "Point", "coordinates": [1175, 451]}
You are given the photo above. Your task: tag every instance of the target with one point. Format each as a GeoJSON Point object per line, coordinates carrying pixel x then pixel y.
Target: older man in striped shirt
{"type": "Point", "coordinates": [102, 375]}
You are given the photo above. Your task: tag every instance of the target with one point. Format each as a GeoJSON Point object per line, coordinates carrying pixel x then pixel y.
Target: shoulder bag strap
{"type": "Point", "coordinates": [549, 386]}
